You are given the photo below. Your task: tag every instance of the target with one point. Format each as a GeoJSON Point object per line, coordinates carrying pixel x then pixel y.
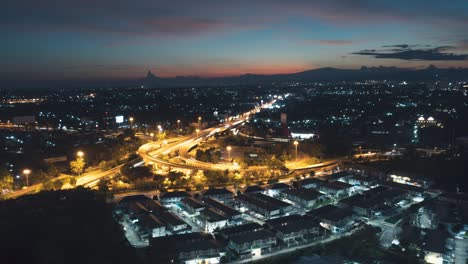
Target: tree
{"type": "Point", "coordinates": [57, 184]}
{"type": "Point", "coordinates": [103, 185]}
{"type": "Point", "coordinates": [72, 181]}
{"type": "Point", "coordinates": [56, 216]}
{"type": "Point", "coordinates": [52, 171]}
{"type": "Point", "coordinates": [137, 173]}
{"type": "Point", "coordinates": [42, 176]}
{"type": "Point", "coordinates": [48, 185]}
{"type": "Point", "coordinates": [103, 165]}
{"type": "Point", "coordinates": [275, 163]}
{"type": "Point", "coordinates": [77, 166]}
{"type": "Point", "coordinates": [6, 179]}
{"type": "Point", "coordinates": [161, 135]}
{"type": "Point", "coordinates": [175, 175]}
{"type": "Point", "coordinates": [316, 150]}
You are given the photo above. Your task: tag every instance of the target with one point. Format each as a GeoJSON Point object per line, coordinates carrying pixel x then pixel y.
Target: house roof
{"type": "Point", "coordinates": [268, 199]}
{"type": "Point", "coordinates": [240, 229]}
{"type": "Point", "coordinates": [253, 188]}
{"type": "Point", "coordinates": [362, 201]}
{"type": "Point", "coordinates": [171, 219]}
{"type": "Point", "coordinates": [361, 178]}
{"type": "Point", "coordinates": [176, 194]}
{"type": "Point", "coordinates": [330, 212]}
{"type": "Point", "coordinates": [284, 219]}
{"type": "Point", "coordinates": [136, 208]}
{"type": "Point", "coordinates": [256, 202]}
{"type": "Point", "coordinates": [192, 203]}
{"type": "Point", "coordinates": [150, 221]}
{"type": "Point", "coordinates": [263, 201]}
{"type": "Point", "coordinates": [220, 191]}
{"type": "Point", "coordinates": [133, 198]}
{"type": "Point", "coordinates": [338, 175]}
{"type": "Point", "coordinates": [280, 185]}
{"type": "Point", "coordinates": [250, 237]}
{"type": "Point", "coordinates": [296, 226]}
{"type": "Point", "coordinates": [304, 194]}
{"type": "Point", "coordinates": [226, 210]}
{"type": "Point", "coordinates": [308, 181]}
{"type": "Point", "coordinates": [337, 185]}
{"type": "Point", "coordinates": [403, 187]}
{"type": "Point", "coordinates": [210, 215]}
{"type": "Point", "coordinates": [152, 205]}
{"type": "Point", "coordinates": [168, 247]}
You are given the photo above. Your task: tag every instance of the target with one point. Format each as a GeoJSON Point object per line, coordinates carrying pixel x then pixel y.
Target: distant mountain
{"type": "Point", "coordinates": [322, 74]}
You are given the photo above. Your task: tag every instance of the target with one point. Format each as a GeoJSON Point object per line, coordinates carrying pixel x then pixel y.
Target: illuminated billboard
{"type": "Point", "coordinates": [119, 119]}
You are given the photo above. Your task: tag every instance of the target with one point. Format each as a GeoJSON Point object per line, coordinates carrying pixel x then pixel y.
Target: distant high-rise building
{"type": "Point", "coordinates": [429, 129]}
{"type": "Point", "coordinates": [284, 125]}
{"type": "Point", "coordinates": [284, 119]}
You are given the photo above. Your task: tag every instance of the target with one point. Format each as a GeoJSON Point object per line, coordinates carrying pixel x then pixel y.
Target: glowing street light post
{"type": "Point", "coordinates": [198, 131]}
{"type": "Point", "coordinates": [295, 144]}
{"type": "Point", "coordinates": [131, 122]}
{"type": "Point", "coordinates": [152, 136]}
{"type": "Point", "coordinates": [199, 122]}
{"type": "Point", "coordinates": [80, 155]}
{"type": "Point", "coordinates": [26, 173]}
{"type": "Point", "coordinates": [228, 148]}
{"type": "Point", "coordinates": [178, 125]}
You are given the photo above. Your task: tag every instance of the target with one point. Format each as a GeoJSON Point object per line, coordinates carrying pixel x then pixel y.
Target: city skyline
{"type": "Point", "coordinates": [213, 131]}
{"type": "Point", "coordinates": [117, 40]}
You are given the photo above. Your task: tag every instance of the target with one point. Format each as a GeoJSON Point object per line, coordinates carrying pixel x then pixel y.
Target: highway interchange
{"type": "Point", "coordinates": [153, 152]}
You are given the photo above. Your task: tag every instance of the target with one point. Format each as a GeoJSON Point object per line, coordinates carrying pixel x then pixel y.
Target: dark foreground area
{"type": "Point", "coordinates": [73, 226]}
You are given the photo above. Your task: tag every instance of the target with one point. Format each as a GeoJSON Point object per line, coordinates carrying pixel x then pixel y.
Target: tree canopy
{"type": "Point", "coordinates": [77, 166]}
{"type": "Point", "coordinates": [72, 226]}
{"type": "Point", "coordinates": [6, 179]}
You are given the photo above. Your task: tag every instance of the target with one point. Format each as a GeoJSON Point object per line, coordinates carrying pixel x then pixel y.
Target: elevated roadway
{"type": "Point", "coordinates": [154, 152]}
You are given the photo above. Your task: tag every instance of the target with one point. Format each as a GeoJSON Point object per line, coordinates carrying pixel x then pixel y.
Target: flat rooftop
{"type": "Point", "coordinates": [304, 193]}
{"type": "Point", "coordinates": [225, 209]}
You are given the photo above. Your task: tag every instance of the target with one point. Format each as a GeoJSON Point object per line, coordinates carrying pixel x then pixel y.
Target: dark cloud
{"type": "Point", "coordinates": [407, 52]}
{"type": "Point", "coordinates": [403, 46]}
{"type": "Point", "coordinates": [123, 16]}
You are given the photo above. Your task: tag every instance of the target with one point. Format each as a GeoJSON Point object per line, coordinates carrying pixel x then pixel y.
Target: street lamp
{"type": "Point", "coordinates": [159, 128]}
{"type": "Point", "coordinates": [295, 144]}
{"type": "Point", "coordinates": [131, 122]}
{"type": "Point", "coordinates": [199, 122]}
{"type": "Point", "coordinates": [198, 131]}
{"type": "Point", "coordinates": [26, 173]}
{"type": "Point", "coordinates": [80, 155]}
{"type": "Point", "coordinates": [178, 125]}
{"type": "Point", "coordinates": [152, 136]}
{"type": "Point", "coordinates": [229, 151]}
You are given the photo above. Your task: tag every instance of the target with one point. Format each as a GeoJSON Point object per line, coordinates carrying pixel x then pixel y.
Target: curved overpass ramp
{"type": "Point", "coordinates": [152, 152]}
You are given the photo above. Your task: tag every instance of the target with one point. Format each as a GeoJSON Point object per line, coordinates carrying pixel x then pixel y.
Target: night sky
{"type": "Point", "coordinates": [116, 39]}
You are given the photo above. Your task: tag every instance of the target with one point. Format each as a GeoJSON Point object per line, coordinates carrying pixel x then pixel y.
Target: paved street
{"type": "Point", "coordinates": [292, 249]}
